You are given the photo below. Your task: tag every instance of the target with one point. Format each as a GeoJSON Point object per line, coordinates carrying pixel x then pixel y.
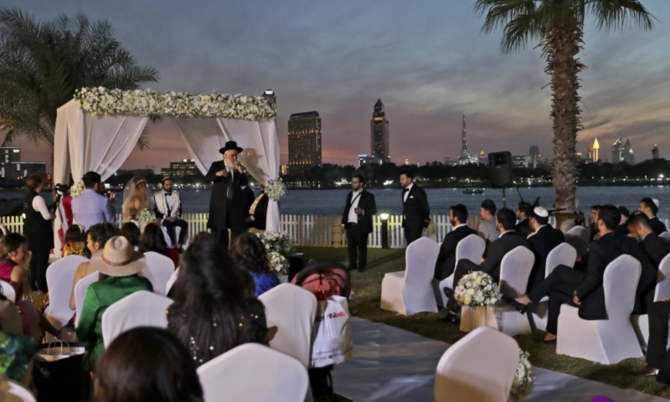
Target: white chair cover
{"type": "Point", "coordinates": [234, 376]}
{"type": "Point", "coordinates": [140, 309]}
{"type": "Point", "coordinates": [662, 291]}
{"type": "Point", "coordinates": [171, 281]}
{"type": "Point", "coordinates": [665, 235]}
{"type": "Point", "coordinates": [292, 309]}
{"type": "Point", "coordinates": [80, 292]}
{"type": "Point", "coordinates": [515, 269]}
{"type": "Point", "coordinates": [8, 291]}
{"type": "Point", "coordinates": [158, 271]}
{"type": "Point", "coordinates": [412, 291]}
{"type": "Point", "coordinates": [470, 248]}
{"type": "Point", "coordinates": [578, 232]}
{"type": "Point", "coordinates": [563, 254]}
{"type": "Point", "coordinates": [605, 341]}
{"type": "Point", "coordinates": [11, 391]}
{"type": "Point", "coordinates": [479, 367]}
{"type": "Point", "coordinates": [3, 229]}
{"type": "Point", "coordinates": [60, 276]}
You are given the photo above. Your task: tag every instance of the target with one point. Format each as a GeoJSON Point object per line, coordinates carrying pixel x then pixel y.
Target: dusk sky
{"type": "Point", "coordinates": [427, 60]}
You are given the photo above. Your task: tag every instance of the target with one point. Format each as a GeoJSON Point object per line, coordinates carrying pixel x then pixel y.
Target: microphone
{"type": "Point", "coordinates": [244, 170]}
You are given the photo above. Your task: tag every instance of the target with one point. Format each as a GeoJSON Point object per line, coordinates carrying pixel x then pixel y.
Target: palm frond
{"type": "Point", "coordinates": [615, 14]}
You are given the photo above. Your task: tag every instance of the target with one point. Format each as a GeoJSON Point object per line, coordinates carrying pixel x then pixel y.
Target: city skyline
{"type": "Point", "coordinates": [428, 63]}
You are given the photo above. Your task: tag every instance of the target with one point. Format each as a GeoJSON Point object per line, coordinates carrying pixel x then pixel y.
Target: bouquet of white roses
{"type": "Point", "coordinates": [279, 248]}
{"type": "Point", "coordinates": [477, 289]}
{"type": "Point", "coordinates": [77, 189]}
{"type": "Point", "coordinates": [278, 263]}
{"type": "Point", "coordinates": [523, 379]}
{"type": "Point", "coordinates": [275, 189]}
{"type": "Point", "coordinates": [145, 217]}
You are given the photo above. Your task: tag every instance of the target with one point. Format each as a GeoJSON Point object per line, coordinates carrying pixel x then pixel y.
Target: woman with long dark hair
{"type": "Point", "coordinates": [147, 364]}
{"type": "Point", "coordinates": [38, 230]}
{"type": "Point", "coordinates": [131, 231]}
{"type": "Point", "coordinates": [212, 311]}
{"type": "Point", "coordinates": [153, 239]}
{"type": "Point", "coordinates": [249, 253]}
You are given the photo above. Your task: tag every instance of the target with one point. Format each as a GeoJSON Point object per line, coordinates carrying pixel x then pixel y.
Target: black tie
{"type": "Point", "coordinates": [404, 190]}
{"type": "Point", "coordinates": [230, 186]}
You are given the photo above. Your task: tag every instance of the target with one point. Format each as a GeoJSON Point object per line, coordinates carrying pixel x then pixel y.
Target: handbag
{"type": "Point", "coordinates": [332, 335]}
{"type": "Point", "coordinates": [57, 371]}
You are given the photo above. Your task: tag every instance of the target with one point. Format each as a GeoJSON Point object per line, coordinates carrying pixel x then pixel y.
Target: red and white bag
{"type": "Point", "coordinates": [331, 334]}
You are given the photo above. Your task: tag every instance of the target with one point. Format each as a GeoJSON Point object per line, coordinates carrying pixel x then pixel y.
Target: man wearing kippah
{"type": "Point", "coordinates": [543, 239]}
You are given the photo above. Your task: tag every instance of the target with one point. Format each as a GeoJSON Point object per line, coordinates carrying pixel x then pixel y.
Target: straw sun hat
{"type": "Point", "coordinates": [118, 258]}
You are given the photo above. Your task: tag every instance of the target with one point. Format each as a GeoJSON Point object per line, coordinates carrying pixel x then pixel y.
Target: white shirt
{"type": "Point", "coordinates": [458, 226]}
{"type": "Point", "coordinates": [40, 206]}
{"type": "Point", "coordinates": [169, 200]}
{"type": "Point", "coordinates": [409, 188]}
{"type": "Point", "coordinates": [353, 217]}
{"type": "Point", "coordinates": [505, 232]}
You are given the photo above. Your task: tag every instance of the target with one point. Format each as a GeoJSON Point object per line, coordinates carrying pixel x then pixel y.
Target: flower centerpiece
{"type": "Point", "coordinates": [523, 379]}
{"type": "Point", "coordinates": [477, 289]}
{"type": "Point", "coordinates": [77, 189]}
{"type": "Point", "coordinates": [145, 217]}
{"type": "Point", "coordinates": [275, 189]}
{"type": "Point", "coordinates": [279, 248]}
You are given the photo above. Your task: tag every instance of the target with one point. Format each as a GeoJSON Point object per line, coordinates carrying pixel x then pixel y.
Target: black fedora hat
{"type": "Point", "coordinates": [230, 145]}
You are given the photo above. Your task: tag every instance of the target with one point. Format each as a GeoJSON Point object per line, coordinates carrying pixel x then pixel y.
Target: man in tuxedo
{"type": "Point", "coordinates": [168, 208]}
{"type": "Point", "coordinates": [650, 208]}
{"type": "Point", "coordinates": [446, 259]}
{"type": "Point", "coordinates": [508, 240]}
{"type": "Point", "coordinates": [415, 211]}
{"type": "Point", "coordinates": [585, 289]}
{"type": "Point", "coordinates": [523, 212]}
{"type": "Point", "coordinates": [227, 206]}
{"type": "Point", "coordinates": [543, 239]}
{"type": "Point", "coordinates": [258, 211]}
{"type": "Point", "coordinates": [357, 222]}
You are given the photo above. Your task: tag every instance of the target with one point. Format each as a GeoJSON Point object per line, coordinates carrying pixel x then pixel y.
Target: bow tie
{"type": "Point", "coordinates": [168, 193]}
{"type": "Point", "coordinates": [404, 190]}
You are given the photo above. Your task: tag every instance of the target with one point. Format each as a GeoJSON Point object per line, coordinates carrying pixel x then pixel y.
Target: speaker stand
{"type": "Point", "coordinates": [504, 199]}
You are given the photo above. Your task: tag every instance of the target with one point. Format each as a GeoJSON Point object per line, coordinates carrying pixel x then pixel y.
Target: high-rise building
{"type": "Point", "coordinates": [483, 160]}
{"type": "Point", "coordinates": [655, 154]}
{"type": "Point", "coordinates": [379, 134]}
{"type": "Point", "coordinates": [628, 155]}
{"type": "Point", "coordinates": [617, 151]}
{"type": "Point", "coordinates": [594, 151]}
{"type": "Point", "coordinates": [304, 141]}
{"type": "Point", "coordinates": [465, 158]}
{"type": "Point", "coordinates": [12, 169]}
{"type": "Point", "coordinates": [534, 151]}
{"type": "Point", "coordinates": [180, 169]}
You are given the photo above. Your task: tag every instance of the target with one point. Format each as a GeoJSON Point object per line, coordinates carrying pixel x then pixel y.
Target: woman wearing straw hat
{"type": "Point", "coordinates": [118, 264]}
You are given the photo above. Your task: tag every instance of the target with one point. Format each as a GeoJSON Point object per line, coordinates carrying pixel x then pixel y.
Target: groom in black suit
{"type": "Point", "coordinates": [357, 221]}
{"type": "Point", "coordinates": [227, 205]}
{"type": "Point", "coordinates": [415, 211]}
{"type": "Point", "coordinates": [446, 259]}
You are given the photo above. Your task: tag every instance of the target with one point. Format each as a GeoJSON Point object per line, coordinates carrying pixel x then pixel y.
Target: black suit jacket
{"type": "Point", "coordinates": [415, 210]}
{"type": "Point", "coordinates": [496, 251]}
{"type": "Point", "coordinates": [367, 202]}
{"type": "Point", "coordinates": [601, 252]}
{"type": "Point", "coordinates": [446, 259]}
{"type": "Point", "coordinates": [655, 248]}
{"type": "Point", "coordinates": [657, 225]}
{"type": "Point", "coordinates": [523, 228]}
{"type": "Point", "coordinates": [542, 242]}
{"type": "Point", "coordinates": [219, 204]}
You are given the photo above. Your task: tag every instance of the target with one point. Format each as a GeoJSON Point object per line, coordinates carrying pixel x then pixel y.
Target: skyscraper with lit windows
{"type": "Point", "coordinates": [379, 135]}
{"type": "Point", "coordinates": [304, 141]}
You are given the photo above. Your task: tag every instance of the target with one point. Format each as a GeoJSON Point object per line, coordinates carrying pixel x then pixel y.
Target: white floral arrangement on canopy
{"type": "Point", "coordinates": [275, 189]}
{"type": "Point", "coordinates": [477, 289]}
{"type": "Point", "coordinates": [138, 102]}
{"type": "Point", "coordinates": [524, 378]}
{"type": "Point", "coordinates": [145, 217]}
{"type": "Point", "coordinates": [77, 189]}
{"type": "Point", "coordinates": [279, 248]}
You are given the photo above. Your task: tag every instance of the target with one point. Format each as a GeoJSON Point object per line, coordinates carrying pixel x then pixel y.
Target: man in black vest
{"type": "Point", "coordinates": [523, 212]}
{"type": "Point", "coordinates": [543, 240]}
{"type": "Point", "coordinates": [227, 206]}
{"type": "Point", "coordinates": [38, 230]}
{"type": "Point", "coordinates": [446, 259]}
{"type": "Point", "coordinates": [415, 210]}
{"type": "Point", "coordinates": [357, 221]}
{"type": "Point", "coordinates": [650, 208]}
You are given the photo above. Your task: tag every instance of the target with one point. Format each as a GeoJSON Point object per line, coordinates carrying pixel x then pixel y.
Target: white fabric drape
{"type": "Point", "coordinates": [205, 136]}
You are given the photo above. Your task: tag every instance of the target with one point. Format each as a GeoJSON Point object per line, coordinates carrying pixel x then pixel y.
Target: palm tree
{"type": "Point", "coordinates": [43, 63]}
{"type": "Point", "coordinates": [558, 26]}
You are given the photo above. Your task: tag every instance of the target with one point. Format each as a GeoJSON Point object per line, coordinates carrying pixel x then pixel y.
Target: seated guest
{"type": "Point", "coordinates": [97, 236]}
{"type": "Point", "coordinates": [90, 207]}
{"type": "Point", "coordinates": [446, 259]}
{"type": "Point", "coordinates": [650, 208]}
{"type": "Point", "coordinates": [147, 364]}
{"type": "Point", "coordinates": [523, 212]}
{"type": "Point", "coordinates": [544, 239]}
{"type": "Point", "coordinates": [654, 247]}
{"type": "Point", "coordinates": [10, 317]}
{"type": "Point", "coordinates": [487, 228]}
{"type": "Point", "coordinates": [258, 211]}
{"type": "Point", "coordinates": [622, 229]}
{"type": "Point", "coordinates": [508, 240]}
{"type": "Point", "coordinates": [131, 231]}
{"type": "Point", "coordinates": [248, 252]}
{"type": "Point", "coordinates": [584, 289]}
{"type": "Point", "coordinates": [118, 265]}
{"type": "Point", "coordinates": [212, 312]}
{"type": "Point", "coordinates": [168, 208]}
{"type": "Point", "coordinates": [594, 218]}
{"type": "Point", "coordinates": [153, 239]}
{"type": "Point", "coordinates": [75, 242]}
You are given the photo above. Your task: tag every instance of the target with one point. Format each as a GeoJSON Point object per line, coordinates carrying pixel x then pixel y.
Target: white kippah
{"type": "Point", "coordinates": [656, 202]}
{"type": "Point", "coordinates": [541, 212]}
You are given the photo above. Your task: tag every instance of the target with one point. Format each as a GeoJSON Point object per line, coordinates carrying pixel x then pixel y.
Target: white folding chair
{"type": "Point", "coordinates": [604, 341]}
{"type": "Point", "coordinates": [563, 254]}
{"type": "Point", "coordinates": [515, 269]}
{"type": "Point", "coordinates": [4, 230]}
{"type": "Point", "coordinates": [158, 271]}
{"type": "Point", "coordinates": [292, 309]}
{"type": "Point", "coordinates": [8, 290]}
{"type": "Point", "coordinates": [60, 276]}
{"type": "Point", "coordinates": [11, 391]}
{"type": "Point", "coordinates": [411, 291]}
{"type": "Point", "coordinates": [171, 281]}
{"type": "Point", "coordinates": [665, 235]}
{"type": "Point", "coordinates": [578, 232]}
{"type": "Point", "coordinates": [140, 309]}
{"type": "Point", "coordinates": [470, 248]}
{"type": "Point", "coordinates": [233, 376]}
{"type": "Point", "coordinates": [662, 291]}
{"type": "Point", "coordinates": [80, 290]}
{"type": "Point", "coordinates": [479, 367]}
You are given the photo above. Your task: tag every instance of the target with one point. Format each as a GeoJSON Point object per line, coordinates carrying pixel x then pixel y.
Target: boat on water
{"type": "Point", "coordinates": [471, 190]}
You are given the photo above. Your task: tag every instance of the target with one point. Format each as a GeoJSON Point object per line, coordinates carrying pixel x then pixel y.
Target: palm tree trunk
{"type": "Point", "coordinates": [561, 47]}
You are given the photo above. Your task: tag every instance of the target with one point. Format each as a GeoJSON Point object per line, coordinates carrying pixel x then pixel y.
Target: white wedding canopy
{"type": "Point", "coordinates": [101, 143]}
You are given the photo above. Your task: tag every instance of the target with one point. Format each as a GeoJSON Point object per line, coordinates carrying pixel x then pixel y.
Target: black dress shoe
{"type": "Point", "coordinates": [520, 307]}
{"type": "Point", "coordinates": [450, 318]}
{"type": "Point", "coordinates": [448, 292]}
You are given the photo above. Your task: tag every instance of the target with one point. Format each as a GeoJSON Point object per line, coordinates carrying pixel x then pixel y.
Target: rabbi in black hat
{"type": "Point", "coordinates": [227, 206]}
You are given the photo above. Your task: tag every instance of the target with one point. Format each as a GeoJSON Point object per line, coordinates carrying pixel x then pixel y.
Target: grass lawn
{"type": "Point", "coordinates": [366, 302]}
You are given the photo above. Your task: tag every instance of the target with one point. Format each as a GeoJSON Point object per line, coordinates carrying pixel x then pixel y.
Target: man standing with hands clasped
{"type": "Point", "coordinates": [415, 211]}
{"type": "Point", "coordinates": [357, 221]}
